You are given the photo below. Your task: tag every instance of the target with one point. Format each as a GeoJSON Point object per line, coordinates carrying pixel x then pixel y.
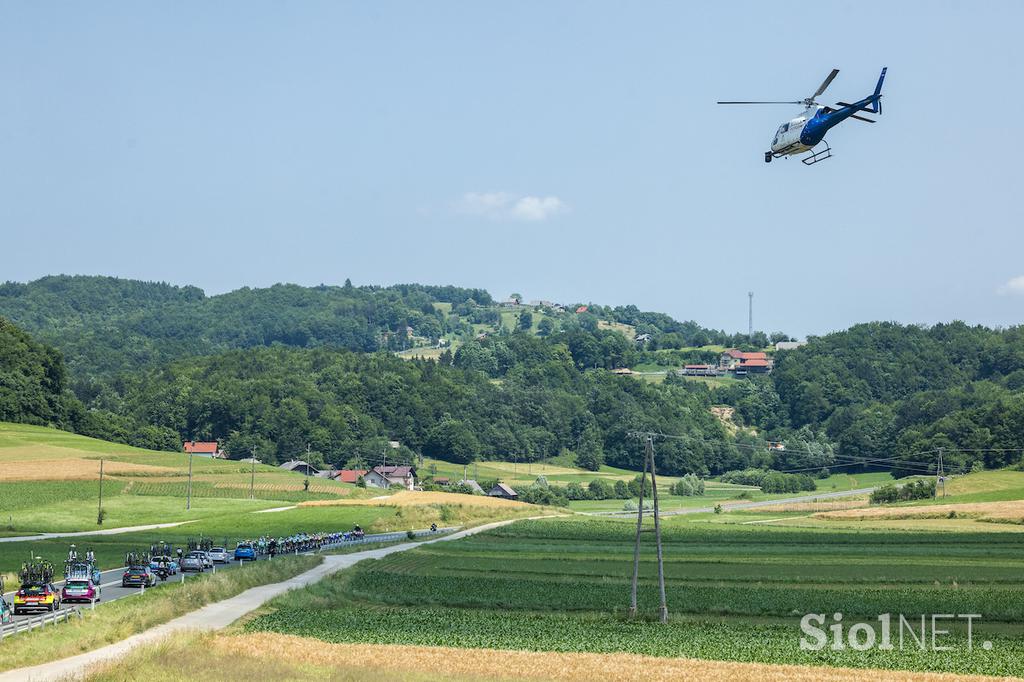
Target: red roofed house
{"type": "Point", "coordinates": [350, 475]}
{"type": "Point", "coordinates": [204, 449]}
{"type": "Point", "coordinates": [732, 358]}
{"type": "Point", "coordinates": [582, 309]}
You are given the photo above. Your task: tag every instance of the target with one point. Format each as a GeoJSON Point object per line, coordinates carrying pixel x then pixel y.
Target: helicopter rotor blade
{"type": "Point", "coordinates": [759, 102]}
{"type": "Point", "coordinates": [861, 118]}
{"type": "Point", "coordinates": [828, 80]}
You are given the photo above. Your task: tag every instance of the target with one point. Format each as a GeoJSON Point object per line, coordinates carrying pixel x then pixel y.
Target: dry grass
{"type": "Point", "coordinates": [396, 661]}
{"type": "Point", "coordinates": [823, 506]}
{"type": "Point", "coordinates": [73, 469]}
{"type": "Point", "coordinates": [408, 498]}
{"type": "Point", "coordinates": [1008, 511]}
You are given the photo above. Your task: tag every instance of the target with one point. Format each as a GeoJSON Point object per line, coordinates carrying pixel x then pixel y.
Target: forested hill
{"type": "Point", "coordinates": [106, 326]}
{"type": "Point", "coordinates": [883, 390]}
{"type": "Point", "coordinates": [344, 404]}
{"type": "Point", "coordinates": [32, 379]}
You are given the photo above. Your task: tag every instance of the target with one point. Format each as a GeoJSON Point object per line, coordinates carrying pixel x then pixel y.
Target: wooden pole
{"type": "Point", "coordinates": [657, 532]}
{"type": "Point", "coordinates": [636, 547]}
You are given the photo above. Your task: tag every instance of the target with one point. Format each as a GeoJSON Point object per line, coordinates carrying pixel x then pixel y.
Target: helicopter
{"type": "Point", "coordinates": [806, 131]}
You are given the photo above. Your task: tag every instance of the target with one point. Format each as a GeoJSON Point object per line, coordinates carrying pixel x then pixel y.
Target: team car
{"type": "Point", "coordinates": [193, 561]}
{"type": "Point", "coordinates": [245, 552]}
{"type": "Point", "coordinates": [36, 595]}
{"type": "Point", "coordinates": [138, 576]}
{"type": "Point", "coordinates": [6, 615]}
{"type": "Point", "coordinates": [166, 560]}
{"type": "Point", "coordinates": [219, 555]}
{"type": "Point", "coordinates": [80, 591]}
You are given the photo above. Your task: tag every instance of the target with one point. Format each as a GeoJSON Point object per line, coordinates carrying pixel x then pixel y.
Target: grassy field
{"type": "Point", "coordinates": [727, 494]}
{"type": "Point", "coordinates": [520, 473]}
{"type": "Point", "coordinates": [734, 593]}
{"type": "Point", "coordinates": [49, 482]}
{"type": "Point", "coordinates": [273, 657]}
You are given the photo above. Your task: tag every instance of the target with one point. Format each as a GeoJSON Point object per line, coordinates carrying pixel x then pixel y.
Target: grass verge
{"type": "Point", "coordinates": [115, 621]}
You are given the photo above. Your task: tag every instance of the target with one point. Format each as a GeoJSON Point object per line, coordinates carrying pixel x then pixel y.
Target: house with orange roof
{"type": "Point", "coordinates": [204, 448]}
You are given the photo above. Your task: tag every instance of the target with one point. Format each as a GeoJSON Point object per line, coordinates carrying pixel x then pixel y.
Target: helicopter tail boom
{"type": "Point", "coordinates": [876, 104]}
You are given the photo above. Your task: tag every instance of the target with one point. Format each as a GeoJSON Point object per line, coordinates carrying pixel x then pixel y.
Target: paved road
{"type": "Point", "coordinates": [748, 505]}
{"type": "Point", "coordinates": [220, 614]}
{"type": "Point", "coordinates": [105, 531]}
{"type": "Point", "coordinates": [111, 579]}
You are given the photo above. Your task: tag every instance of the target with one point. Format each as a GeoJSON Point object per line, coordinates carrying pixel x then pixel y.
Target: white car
{"type": "Point", "coordinates": [219, 555]}
{"type": "Point", "coordinates": [193, 561]}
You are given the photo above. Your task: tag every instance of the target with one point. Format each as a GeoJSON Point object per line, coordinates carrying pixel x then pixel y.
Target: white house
{"type": "Point", "coordinates": [388, 476]}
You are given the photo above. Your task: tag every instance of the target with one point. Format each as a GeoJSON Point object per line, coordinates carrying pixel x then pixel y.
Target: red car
{"type": "Point", "coordinates": [80, 590]}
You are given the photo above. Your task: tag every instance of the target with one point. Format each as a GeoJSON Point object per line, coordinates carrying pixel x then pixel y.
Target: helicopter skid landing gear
{"type": "Point", "coordinates": [817, 156]}
{"type": "Point", "coordinates": [767, 157]}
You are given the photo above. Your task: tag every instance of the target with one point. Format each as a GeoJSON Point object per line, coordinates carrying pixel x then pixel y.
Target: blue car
{"type": "Point", "coordinates": [245, 552]}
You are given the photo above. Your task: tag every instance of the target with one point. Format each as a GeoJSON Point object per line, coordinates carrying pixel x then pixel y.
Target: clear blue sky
{"type": "Point", "coordinates": [564, 150]}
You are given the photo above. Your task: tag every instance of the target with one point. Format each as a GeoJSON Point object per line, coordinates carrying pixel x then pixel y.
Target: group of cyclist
{"type": "Point", "coordinates": [300, 542]}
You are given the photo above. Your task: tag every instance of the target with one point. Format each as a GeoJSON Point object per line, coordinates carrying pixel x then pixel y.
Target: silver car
{"type": "Point", "coordinates": [193, 561]}
{"type": "Point", "coordinates": [219, 555]}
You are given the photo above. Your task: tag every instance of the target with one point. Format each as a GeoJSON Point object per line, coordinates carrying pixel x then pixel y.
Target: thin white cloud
{"type": "Point", "coordinates": [508, 206]}
{"type": "Point", "coordinates": [1012, 287]}
{"type": "Point", "coordinates": [537, 208]}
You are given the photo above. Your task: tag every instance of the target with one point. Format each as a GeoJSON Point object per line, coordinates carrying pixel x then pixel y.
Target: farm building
{"type": "Point", "coordinates": [789, 345]}
{"type": "Point", "coordinates": [503, 491]}
{"type": "Point", "coordinates": [388, 476]}
{"type": "Point", "coordinates": [700, 371]}
{"type": "Point", "coordinates": [203, 448]}
{"type": "Point", "coordinates": [472, 485]}
{"type": "Point", "coordinates": [300, 467]}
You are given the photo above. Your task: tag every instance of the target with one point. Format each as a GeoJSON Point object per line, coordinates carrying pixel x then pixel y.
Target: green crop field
{"type": "Point", "coordinates": [734, 593]}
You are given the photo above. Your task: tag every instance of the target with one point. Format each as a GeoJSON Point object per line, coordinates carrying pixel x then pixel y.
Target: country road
{"type": "Point", "coordinates": [81, 533]}
{"type": "Point", "coordinates": [748, 505]}
{"type": "Point", "coordinates": [111, 578]}
{"type": "Point", "coordinates": [220, 614]}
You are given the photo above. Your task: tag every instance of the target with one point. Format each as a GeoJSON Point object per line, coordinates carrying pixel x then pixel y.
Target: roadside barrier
{"type": "Point", "coordinates": [37, 622]}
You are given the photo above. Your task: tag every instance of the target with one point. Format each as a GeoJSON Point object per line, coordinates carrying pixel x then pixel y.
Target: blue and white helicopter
{"type": "Point", "coordinates": [807, 130]}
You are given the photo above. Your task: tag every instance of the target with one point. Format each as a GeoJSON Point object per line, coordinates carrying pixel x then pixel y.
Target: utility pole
{"type": "Point", "coordinates": [649, 462]}
{"type": "Point", "coordinates": [657, 531]}
{"type": "Point", "coordinates": [188, 499]}
{"type": "Point", "coordinates": [939, 477]}
{"type": "Point", "coordinates": [99, 509]}
{"type": "Point", "coordinates": [252, 475]}
{"type": "Point", "coordinates": [636, 546]}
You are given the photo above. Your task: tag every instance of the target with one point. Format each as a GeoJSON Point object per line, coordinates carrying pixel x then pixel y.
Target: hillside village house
{"type": "Point", "coordinates": [300, 467]}
{"type": "Point", "coordinates": [350, 475]}
{"type": "Point", "coordinates": [503, 491]}
{"type": "Point", "coordinates": [472, 485]}
{"type": "Point", "coordinates": [204, 448]}
{"type": "Point", "coordinates": [388, 476]}
{"type": "Point", "coordinates": [743, 363]}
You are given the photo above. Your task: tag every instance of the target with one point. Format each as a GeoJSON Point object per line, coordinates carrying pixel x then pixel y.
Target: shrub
{"type": "Point", "coordinates": [915, 490]}
{"type": "Point", "coordinates": [600, 489]}
{"type": "Point", "coordinates": [621, 490]}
